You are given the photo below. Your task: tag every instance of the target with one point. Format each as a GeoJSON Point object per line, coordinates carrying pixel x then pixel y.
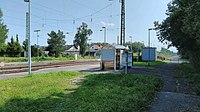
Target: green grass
{"type": "Point", "coordinates": [12, 59]}
{"type": "Point", "coordinates": [189, 73]}
{"type": "Point", "coordinates": [156, 63]}
{"type": "Point", "coordinates": [55, 92]}
{"type": "Point", "coordinates": [53, 58]}
{"type": "Point", "coordinates": [87, 57]}
{"type": "Point", "coordinates": [22, 59]}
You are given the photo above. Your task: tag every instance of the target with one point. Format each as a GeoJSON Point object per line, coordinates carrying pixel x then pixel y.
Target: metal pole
{"type": "Point", "coordinates": [122, 38]}
{"type": "Point", "coordinates": [104, 28]}
{"type": "Point", "coordinates": [126, 67]}
{"type": "Point", "coordinates": [105, 35]}
{"type": "Point", "coordinates": [117, 40]}
{"type": "Point", "coordinates": [149, 39]}
{"type": "Point", "coordinates": [37, 43]}
{"type": "Point", "coordinates": [149, 46]}
{"type": "Point", "coordinates": [131, 43]}
{"type": "Point", "coordinates": [28, 35]}
{"type": "Point", "coordinates": [37, 46]}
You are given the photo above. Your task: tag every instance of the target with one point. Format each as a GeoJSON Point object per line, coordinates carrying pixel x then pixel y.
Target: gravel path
{"type": "Point", "coordinates": [177, 95]}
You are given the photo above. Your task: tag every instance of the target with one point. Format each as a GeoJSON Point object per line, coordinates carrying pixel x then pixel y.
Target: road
{"type": "Point", "coordinates": [87, 68]}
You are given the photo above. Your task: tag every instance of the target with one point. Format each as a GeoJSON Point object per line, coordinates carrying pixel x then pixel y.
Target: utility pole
{"type": "Point", "coordinates": [89, 46]}
{"type": "Point", "coordinates": [122, 38]}
{"type": "Point", "coordinates": [104, 28]}
{"type": "Point", "coordinates": [104, 34]}
{"type": "Point", "coordinates": [149, 43]}
{"type": "Point", "coordinates": [37, 42]}
{"type": "Point", "coordinates": [117, 40]}
{"type": "Point", "coordinates": [131, 43]}
{"type": "Point", "coordinates": [28, 24]}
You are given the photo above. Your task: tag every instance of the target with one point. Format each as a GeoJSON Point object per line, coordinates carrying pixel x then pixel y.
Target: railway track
{"type": "Point", "coordinates": [24, 68]}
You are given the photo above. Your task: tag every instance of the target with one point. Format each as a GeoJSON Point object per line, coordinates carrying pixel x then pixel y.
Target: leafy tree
{"type": "Point", "coordinates": [3, 33]}
{"type": "Point", "coordinates": [14, 48]}
{"type": "Point", "coordinates": [56, 43]}
{"type": "Point", "coordinates": [81, 38]}
{"type": "Point", "coordinates": [11, 47]}
{"type": "Point", "coordinates": [25, 46]}
{"type": "Point", "coordinates": [136, 46]}
{"type": "Point", "coordinates": [33, 51]}
{"type": "Point", "coordinates": [181, 29]}
{"type": "Point", "coordinates": [3, 50]}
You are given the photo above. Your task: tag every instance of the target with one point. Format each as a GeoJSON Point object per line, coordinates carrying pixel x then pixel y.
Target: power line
{"type": "Point", "coordinates": [61, 13]}
{"type": "Point", "coordinates": [98, 11]}
{"type": "Point", "coordinates": [58, 12]}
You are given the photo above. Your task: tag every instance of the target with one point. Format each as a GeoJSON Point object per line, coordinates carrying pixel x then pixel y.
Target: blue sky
{"type": "Point", "coordinates": [67, 15]}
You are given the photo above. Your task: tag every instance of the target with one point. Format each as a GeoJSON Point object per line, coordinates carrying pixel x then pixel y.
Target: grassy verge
{"type": "Point", "coordinates": [87, 57]}
{"type": "Point", "coordinates": [156, 63]}
{"type": "Point", "coordinates": [188, 73]}
{"type": "Point", "coordinates": [12, 59]}
{"type": "Point", "coordinates": [57, 92]}
{"type": "Point", "coordinates": [22, 59]}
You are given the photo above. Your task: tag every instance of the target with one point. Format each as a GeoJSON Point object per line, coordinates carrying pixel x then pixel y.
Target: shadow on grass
{"type": "Point", "coordinates": [97, 93]}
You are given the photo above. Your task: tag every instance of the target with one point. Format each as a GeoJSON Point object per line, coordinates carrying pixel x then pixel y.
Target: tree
{"type": "Point", "coordinates": [81, 38]}
{"type": "Point", "coordinates": [181, 29]}
{"type": "Point", "coordinates": [33, 51]}
{"type": "Point", "coordinates": [136, 46]}
{"type": "Point", "coordinates": [3, 33]}
{"type": "Point", "coordinates": [14, 48]}
{"type": "Point", "coordinates": [25, 47]}
{"type": "Point", "coordinates": [56, 43]}
{"type": "Point", "coordinates": [3, 49]}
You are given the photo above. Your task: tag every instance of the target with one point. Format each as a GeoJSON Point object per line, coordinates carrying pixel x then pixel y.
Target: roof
{"type": "Point", "coordinates": [96, 47]}
{"type": "Point", "coordinates": [119, 47]}
{"type": "Point", "coordinates": [72, 48]}
{"type": "Point", "coordinates": [115, 47]}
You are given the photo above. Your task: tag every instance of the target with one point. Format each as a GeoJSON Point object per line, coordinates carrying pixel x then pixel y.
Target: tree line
{"type": "Point", "coordinates": [181, 29]}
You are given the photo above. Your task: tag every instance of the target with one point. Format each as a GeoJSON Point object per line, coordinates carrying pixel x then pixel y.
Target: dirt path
{"type": "Point", "coordinates": [177, 95]}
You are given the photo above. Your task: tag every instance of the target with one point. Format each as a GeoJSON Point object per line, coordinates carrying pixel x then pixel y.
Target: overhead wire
{"type": "Point", "coordinates": [71, 18]}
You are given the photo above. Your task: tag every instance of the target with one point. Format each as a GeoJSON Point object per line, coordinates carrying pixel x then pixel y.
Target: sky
{"type": "Point", "coordinates": [68, 15]}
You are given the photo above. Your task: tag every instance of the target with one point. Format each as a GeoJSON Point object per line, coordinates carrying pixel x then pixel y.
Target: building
{"type": "Point", "coordinates": [149, 54]}
{"type": "Point", "coordinates": [94, 50]}
{"type": "Point", "coordinates": [115, 58]}
{"type": "Point", "coordinates": [71, 50]}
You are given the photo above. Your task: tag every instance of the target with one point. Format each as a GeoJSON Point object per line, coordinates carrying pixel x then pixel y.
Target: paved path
{"type": "Point", "coordinates": [176, 95]}
{"type": "Point", "coordinates": [176, 102]}
{"type": "Point", "coordinates": [95, 68]}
